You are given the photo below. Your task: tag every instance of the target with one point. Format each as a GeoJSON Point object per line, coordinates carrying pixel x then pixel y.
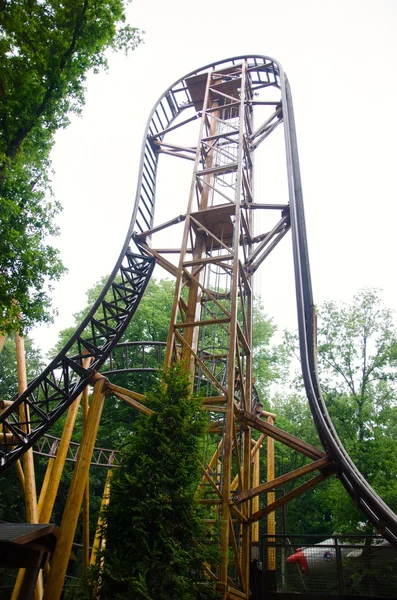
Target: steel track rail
{"type": "Point", "coordinates": [54, 390]}
{"type": "Point", "coordinates": [49, 395]}
{"type": "Point", "coordinates": [378, 513]}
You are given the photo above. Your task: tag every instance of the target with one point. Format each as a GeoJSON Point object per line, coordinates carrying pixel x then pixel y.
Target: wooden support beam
{"type": "Point", "coordinates": [149, 232]}
{"type": "Point", "coordinates": [202, 323]}
{"type": "Point", "coordinates": [271, 496]}
{"type": "Point", "coordinates": [255, 500]}
{"type": "Point", "coordinates": [230, 415]}
{"type": "Point", "coordinates": [283, 479]}
{"type": "Point", "coordinates": [100, 540]}
{"type": "Point", "coordinates": [86, 496]}
{"type": "Point", "coordinates": [29, 478]}
{"type": "Point", "coordinates": [213, 400]}
{"type": "Point", "coordinates": [255, 449]}
{"type": "Point", "coordinates": [194, 294]}
{"type": "Point", "coordinates": [281, 436]}
{"type": "Point", "coordinates": [3, 337]}
{"type": "Point", "coordinates": [236, 554]}
{"type": "Point", "coordinates": [8, 438]}
{"type": "Point", "coordinates": [237, 454]}
{"type": "Point", "coordinates": [291, 495]}
{"type": "Point", "coordinates": [235, 594]}
{"type": "Point", "coordinates": [266, 413]}
{"type": "Point", "coordinates": [48, 482]}
{"type": "Point", "coordinates": [166, 264]}
{"type": "Point", "coordinates": [210, 481]}
{"type": "Point", "coordinates": [5, 404]}
{"type": "Point", "coordinates": [63, 548]}
{"type": "Point", "coordinates": [242, 518]}
{"type": "Point", "coordinates": [211, 466]}
{"type": "Point", "coordinates": [200, 362]}
{"type": "Point", "coordinates": [257, 444]}
{"type": "Point", "coordinates": [202, 227]}
{"type": "Point", "coordinates": [111, 388]}
{"type": "Point", "coordinates": [55, 467]}
{"type": "Point", "coordinates": [134, 403]}
{"type": "Point", "coordinates": [27, 460]}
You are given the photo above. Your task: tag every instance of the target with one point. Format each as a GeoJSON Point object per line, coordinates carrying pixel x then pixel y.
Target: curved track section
{"type": "Point", "coordinates": [369, 502]}
{"type": "Point", "coordinates": [54, 390]}
{"type": "Point", "coordinates": [49, 395]}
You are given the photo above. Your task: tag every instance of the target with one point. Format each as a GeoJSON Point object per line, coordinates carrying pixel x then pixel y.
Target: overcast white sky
{"type": "Point", "coordinates": [340, 58]}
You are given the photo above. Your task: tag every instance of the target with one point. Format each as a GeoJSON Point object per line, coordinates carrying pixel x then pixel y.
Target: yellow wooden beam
{"type": "Point", "coordinates": [29, 479]}
{"type": "Point", "coordinates": [271, 496]}
{"type": "Point", "coordinates": [86, 497]}
{"type": "Point", "coordinates": [100, 541]}
{"type": "Point", "coordinates": [71, 513]}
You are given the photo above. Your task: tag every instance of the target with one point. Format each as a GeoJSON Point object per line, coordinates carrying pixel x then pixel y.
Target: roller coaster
{"type": "Point", "coordinates": [234, 107]}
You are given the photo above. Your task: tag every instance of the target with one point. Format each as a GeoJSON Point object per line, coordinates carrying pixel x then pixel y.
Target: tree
{"type": "Point", "coordinates": [161, 527]}
{"type": "Point", "coordinates": [46, 50]}
{"type": "Point", "coordinates": [357, 347]}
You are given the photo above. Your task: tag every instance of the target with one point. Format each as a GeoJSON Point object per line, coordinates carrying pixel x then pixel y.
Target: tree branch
{"type": "Point", "coordinates": [21, 134]}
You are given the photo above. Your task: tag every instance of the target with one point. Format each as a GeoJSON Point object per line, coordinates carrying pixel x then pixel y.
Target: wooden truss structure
{"type": "Point", "coordinates": [211, 320]}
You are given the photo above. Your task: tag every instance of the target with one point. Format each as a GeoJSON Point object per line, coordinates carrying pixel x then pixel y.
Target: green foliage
{"type": "Point", "coordinates": [46, 50]}
{"type": "Point", "coordinates": [270, 362]}
{"type": "Point", "coordinates": [358, 360]}
{"type": "Point", "coordinates": [153, 516]}
{"type": "Point", "coordinates": [357, 346]}
{"type": "Point", "coordinates": [8, 366]}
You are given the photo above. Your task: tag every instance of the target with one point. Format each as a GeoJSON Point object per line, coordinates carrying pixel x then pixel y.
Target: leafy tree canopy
{"type": "Point", "coordinates": [46, 50]}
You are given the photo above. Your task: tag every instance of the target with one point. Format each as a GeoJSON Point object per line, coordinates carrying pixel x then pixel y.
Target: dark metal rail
{"type": "Point", "coordinates": [380, 515]}
{"type": "Point", "coordinates": [54, 390]}
{"type": "Point", "coordinates": [135, 357]}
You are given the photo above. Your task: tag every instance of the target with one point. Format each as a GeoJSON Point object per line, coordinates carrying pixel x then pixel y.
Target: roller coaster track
{"type": "Point", "coordinates": [48, 446]}
{"type": "Point", "coordinates": [48, 396]}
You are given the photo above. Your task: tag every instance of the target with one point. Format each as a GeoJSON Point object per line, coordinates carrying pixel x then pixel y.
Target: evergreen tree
{"type": "Point", "coordinates": [155, 542]}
